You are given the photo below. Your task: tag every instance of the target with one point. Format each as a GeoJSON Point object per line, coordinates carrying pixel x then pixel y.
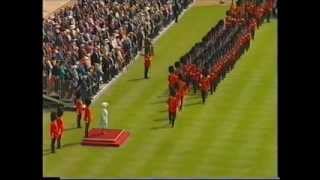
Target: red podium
{"type": "Point", "coordinates": [106, 137]}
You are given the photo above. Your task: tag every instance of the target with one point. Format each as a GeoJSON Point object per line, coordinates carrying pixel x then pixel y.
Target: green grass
{"type": "Point", "coordinates": [233, 135]}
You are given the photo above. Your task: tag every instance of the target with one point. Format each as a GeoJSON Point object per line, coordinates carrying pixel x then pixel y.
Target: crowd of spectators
{"type": "Point", "coordinates": [91, 42]}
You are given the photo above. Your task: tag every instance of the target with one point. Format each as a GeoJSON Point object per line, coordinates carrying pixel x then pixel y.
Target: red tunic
{"type": "Point", "coordinates": [87, 115]}
{"type": "Point", "coordinates": [54, 130]}
{"type": "Point", "coordinates": [198, 75]}
{"type": "Point", "coordinates": [79, 106]}
{"type": "Point", "coordinates": [212, 77]}
{"type": "Point", "coordinates": [60, 126]}
{"type": "Point", "coordinates": [173, 79]}
{"type": "Point", "coordinates": [173, 104]}
{"type": "Point", "coordinates": [204, 83]}
{"type": "Point", "coordinates": [147, 62]}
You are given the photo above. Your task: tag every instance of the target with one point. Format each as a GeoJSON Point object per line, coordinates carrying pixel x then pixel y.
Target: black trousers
{"type": "Point", "coordinates": [146, 71]}
{"type": "Point", "coordinates": [204, 95]}
{"type": "Point", "coordinates": [53, 142]}
{"type": "Point", "coordinates": [87, 129]}
{"type": "Point", "coordinates": [211, 87]}
{"type": "Point", "coordinates": [79, 120]}
{"type": "Point", "coordinates": [195, 86]}
{"type": "Point", "coordinates": [172, 118]}
{"type": "Point", "coordinates": [59, 142]}
{"type": "Point", "coordinates": [252, 34]}
{"type": "Point", "coordinates": [268, 17]}
{"type": "Point", "coordinates": [274, 12]}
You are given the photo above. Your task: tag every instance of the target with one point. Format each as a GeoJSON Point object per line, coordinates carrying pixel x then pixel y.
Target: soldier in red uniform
{"type": "Point", "coordinates": [196, 78]}
{"type": "Point", "coordinates": [60, 126]}
{"type": "Point", "coordinates": [172, 108]}
{"type": "Point", "coordinates": [53, 130]}
{"type": "Point", "coordinates": [178, 70]}
{"type": "Point", "coordinates": [87, 116]}
{"type": "Point", "coordinates": [213, 82]}
{"type": "Point", "coordinates": [268, 9]}
{"type": "Point", "coordinates": [172, 79]}
{"type": "Point", "coordinates": [186, 70]}
{"type": "Point", "coordinates": [181, 92]}
{"type": "Point", "coordinates": [79, 109]}
{"type": "Point", "coordinates": [204, 85]}
{"type": "Point", "coordinates": [147, 64]}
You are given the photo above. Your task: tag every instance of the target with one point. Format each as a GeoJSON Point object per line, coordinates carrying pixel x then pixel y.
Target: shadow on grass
{"type": "Point", "coordinates": [69, 129]}
{"type": "Point", "coordinates": [161, 119]}
{"type": "Point", "coordinates": [161, 127]}
{"type": "Point", "coordinates": [191, 104]}
{"type": "Point", "coordinates": [193, 96]}
{"type": "Point", "coordinates": [136, 79]}
{"type": "Point", "coordinates": [159, 102]}
{"type": "Point", "coordinates": [47, 152]}
{"type": "Point", "coordinates": [161, 111]}
{"type": "Point", "coordinates": [70, 144]}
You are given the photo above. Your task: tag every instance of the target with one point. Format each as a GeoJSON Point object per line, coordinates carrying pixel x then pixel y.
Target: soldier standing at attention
{"type": "Point", "coordinates": [87, 116]}
{"type": "Point", "coordinates": [79, 109]}
{"type": "Point", "coordinates": [60, 126]}
{"type": "Point", "coordinates": [53, 130]}
{"type": "Point", "coordinates": [147, 64]}
{"type": "Point", "coordinates": [148, 47]}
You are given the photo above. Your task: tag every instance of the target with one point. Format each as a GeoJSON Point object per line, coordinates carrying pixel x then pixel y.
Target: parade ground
{"type": "Point", "coordinates": [233, 135]}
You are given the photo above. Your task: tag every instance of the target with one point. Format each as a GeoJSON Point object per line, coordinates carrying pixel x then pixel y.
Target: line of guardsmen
{"type": "Point", "coordinates": [208, 62]}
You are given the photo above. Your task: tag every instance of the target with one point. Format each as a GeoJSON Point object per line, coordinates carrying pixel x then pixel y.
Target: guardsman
{"type": "Point", "coordinates": [204, 85]}
{"type": "Point", "coordinates": [172, 79]}
{"type": "Point", "coordinates": [53, 130]}
{"type": "Point", "coordinates": [60, 126]}
{"type": "Point", "coordinates": [147, 64]}
{"type": "Point", "coordinates": [87, 116]}
{"type": "Point", "coordinates": [172, 108]}
{"type": "Point", "coordinates": [79, 109]}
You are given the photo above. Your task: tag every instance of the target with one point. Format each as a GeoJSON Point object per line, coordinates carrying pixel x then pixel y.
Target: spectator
{"type": "Point", "coordinates": [81, 36]}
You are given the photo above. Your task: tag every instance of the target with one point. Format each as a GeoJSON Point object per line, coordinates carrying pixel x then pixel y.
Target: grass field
{"type": "Point", "coordinates": [233, 135]}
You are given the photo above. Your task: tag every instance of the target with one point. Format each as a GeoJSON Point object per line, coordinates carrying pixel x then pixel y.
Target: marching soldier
{"type": "Point", "coordinates": [204, 86]}
{"type": "Point", "coordinates": [172, 107]}
{"type": "Point", "coordinates": [172, 79]}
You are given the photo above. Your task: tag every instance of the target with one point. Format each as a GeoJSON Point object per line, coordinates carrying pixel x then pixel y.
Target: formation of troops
{"type": "Point", "coordinates": [201, 69]}
{"type": "Point", "coordinates": [208, 62]}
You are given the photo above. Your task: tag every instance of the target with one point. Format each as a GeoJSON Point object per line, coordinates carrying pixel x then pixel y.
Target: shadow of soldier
{"type": "Point", "coordinates": [161, 119]}
{"type": "Point", "coordinates": [160, 127]}
{"type": "Point", "coordinates": [191, 104]}
{"type": "Point", "coordinates": [47, 151]}
{"type": "Point", "coordinates": [135, 79]}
